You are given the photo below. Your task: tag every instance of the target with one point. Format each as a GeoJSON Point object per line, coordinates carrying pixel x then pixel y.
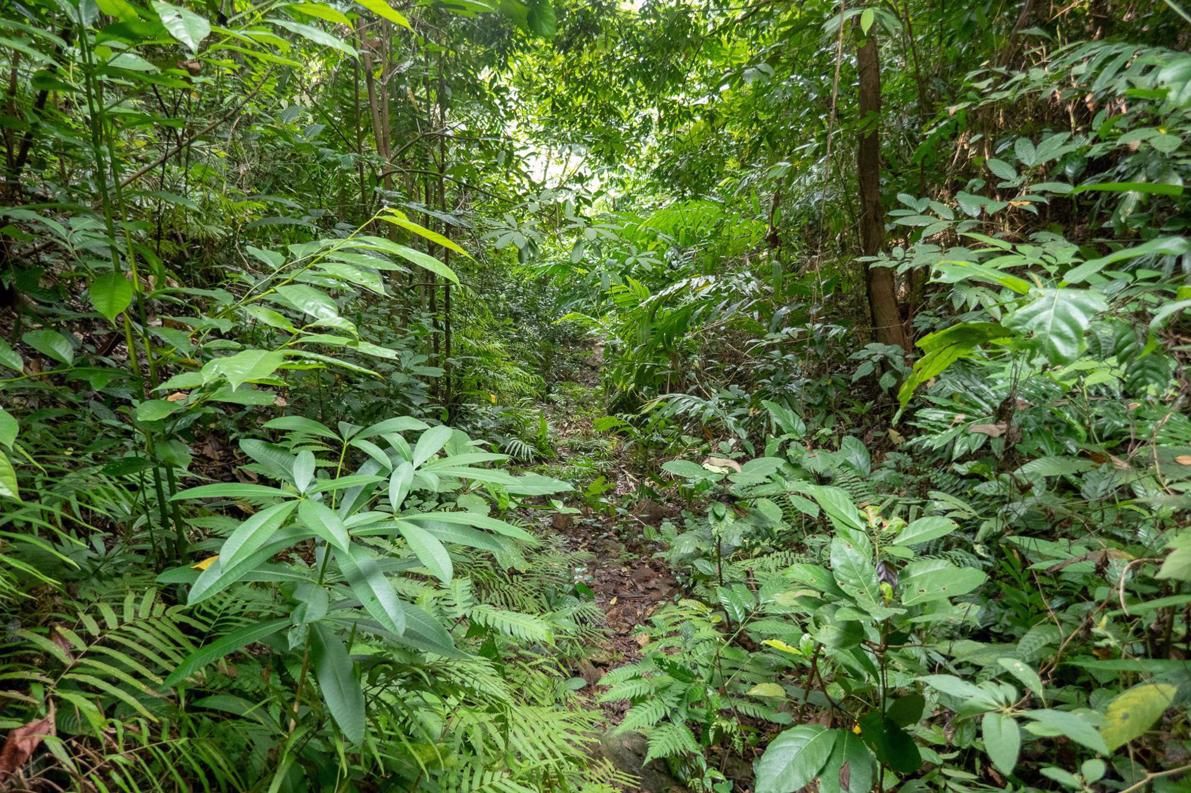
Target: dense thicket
{"type": "Point", "coordinates": [889, 305]}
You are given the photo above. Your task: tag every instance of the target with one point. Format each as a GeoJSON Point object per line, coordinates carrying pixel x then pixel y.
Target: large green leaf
{"type": "Point", "coordinates": [246, 366]}
{"type": "Point", "coordinates": [794, 758]}
{"type": "Point", "coordinates": [431, 443]}
{"type": "Point", "coordinates": [1061, 723]}
{"type": "Point", "coordinates": [253, 533]}
{"type": "Point", "coordinates": [375, 592]}
{"type": "Point", "coordinates": [335, 672]}
{"type": "Point", "coordinates": [429, 550]}
{"type": "Point", "coordinates": [51, 344]}
{"type": "Point", "coordinates": [10, 357]}
{"type": "Point", "coordinates": [1002, 740]}
{"type": "Point", "coordinates": [854, 569]}
{"type": "Point", "coordinates": [931, 527]}
{"type": "Point", "coordinates": [325, 523]}
{"type": "Point", "coordinates": [476, 520]}
{"type": "Point", "coordinates": [111, 293]}
{"type": "Point", "coordinates": [937, 579]}
{"type": "Point", "coordinates": [1058, 320]}
{"type": "Point", "coordinates": [892, 745]}
{"type": "Point", "coordinates": [184, 25]}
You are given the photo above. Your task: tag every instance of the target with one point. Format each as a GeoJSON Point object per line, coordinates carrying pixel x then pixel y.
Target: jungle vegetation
{"type": "Point", "coordinates": [332, 332]}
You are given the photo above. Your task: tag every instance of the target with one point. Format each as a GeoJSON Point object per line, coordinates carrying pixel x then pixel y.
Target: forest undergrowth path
{"type": "Point", "coordinates": [610, 526]}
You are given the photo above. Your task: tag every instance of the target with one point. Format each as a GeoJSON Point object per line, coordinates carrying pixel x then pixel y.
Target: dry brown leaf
{"type": "Point", "coordinates": [22, 742]}
{"type": "Point", "coordinates": [991, 430]}
{"type": "Point", "coordinates": [721, 464]}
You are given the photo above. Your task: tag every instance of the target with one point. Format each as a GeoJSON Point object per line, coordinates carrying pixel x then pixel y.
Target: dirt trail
{"type": "Point", "coordinates": [627, 582]}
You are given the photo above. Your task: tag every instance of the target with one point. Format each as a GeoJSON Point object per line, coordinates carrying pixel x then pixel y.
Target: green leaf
{"type": "Point", "coordinates": [767, 691]}
{"type": "Point", "coordinates": [1059, 723]}
{"type": "Point", "coordinates": [399, 218]}
{"type": "Point", "coordinates": [850, 767]}
{"type": "Point", "coordinates": [303, 470]}
{"type": "Point", "coordinates": [1150, 188]}
{"type": "Point", "coordinates": [51, 344]}
{"type": "Point", "coordinates": [119, 9]}
{"type": "Point", "coordinates": [156, 409]}
{"type": "Point", "coordinates": [892, 745]}
{"type": "Point", "coordinates": [399, 484]}
{"type": "Point", "coordinates": [478, 521]}
{"type": "Point", "coordinates": [794, 758]}
{"type": "Point", "coordinates": [937, 579]}
{"type": "Point", "coordinates": [254, 533]}
{"type": "Point", "coordinates": [1002, 169]}
{"type": "Point", "coordinates": [326, 524]}
{"type": "Point", "coordinates": [243, 490]}
{"type": "Point", "coordinates": [335, 672]}
{"type": "Point", "coordinates": [309, 301]}
{"type": "Point", "coordinates": [224, 645]}
{"type": "Point", "coordinates": [111, 293]}
{"type": "Point", "coordinates": [1059, 320]}
{"type": "Point", "coordinates": [8, 428]}
{"type": "Point", "coordinates": [967, 693]}
{"type": "Point", "coordinates": [316, 35]}
{"type": "Point", "coordinates": [430, 443]}
{"type": "Point", "coordinates": [10, 357]}
{"type": "Point", "coordinates": [532, 484]}
{"type": "Point", "coordinates": [247, 366]}
{"type": "Point", "coordinates": [184, 25]}
{"type": "Point", "coordinates": [386, 11]}
{"type": "Point", "coordinates": [301, 424]}
{"type": "Point", "coordinates": [1163, 246]}
{"type": "Point", "coordinates": [867, 17]}
{"type": "Point", "coordinates": [375, 592]}
{"type": "Point", "coordinates": [423, 260]}
{"type": "Point", "coordinates": [1177, 565]}
{"type": "Point", "coordinates": [838, 506]}
{"type": "Point", "coordinates": [1028, 677]}
{"type": "Point", "coordinates": [944, 348]}
{"type": "Point", "coordinates": [1002, 740]}
{"type": "Point", "coordinates": [319, 11]}
{"type": "Point", "coordinates": [8, 479]}
{"type": "Point", "coordinates": [925, 530]}
{"type": "Point", "coordinates": [1133, 712]}
{"type": "Point", "coordinates": [853, 567]}
{"type": "Point", "coordinates": [430, 552]}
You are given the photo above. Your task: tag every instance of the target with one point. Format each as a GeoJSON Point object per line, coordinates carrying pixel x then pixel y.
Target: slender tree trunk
{"type": "Point", "coordinates": [879, 281]}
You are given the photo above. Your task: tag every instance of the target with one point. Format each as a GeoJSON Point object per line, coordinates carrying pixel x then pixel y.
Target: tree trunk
{"type": "Point", "coordinates": [879, 281]}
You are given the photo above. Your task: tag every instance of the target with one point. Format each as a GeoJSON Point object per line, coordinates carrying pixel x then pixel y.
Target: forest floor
{"type": "Point", "coordinates": [611, 526]}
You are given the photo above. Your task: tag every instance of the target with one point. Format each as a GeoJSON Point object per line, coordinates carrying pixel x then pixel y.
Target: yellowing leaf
{"type": "Point", "coordinates": [204, 564]}
{"type": "Point", "coordinates": [767, 690]}
{"type": "Point", "coordinates": [780, 646]}
{"type": "Point", "coordinates": [383, 9]}
{"type": "Point", "coordinates": [1135, 711]}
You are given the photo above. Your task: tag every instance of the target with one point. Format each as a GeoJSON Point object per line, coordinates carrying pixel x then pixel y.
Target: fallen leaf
{"type": "Point", "coordinates": [721, 465]}
{"type": "Point", "coordinates": [177, 396]}
{"type": "Point", "coordinates": [23, 741]}
{"type": "Point", "coordinates": [991, 430]}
